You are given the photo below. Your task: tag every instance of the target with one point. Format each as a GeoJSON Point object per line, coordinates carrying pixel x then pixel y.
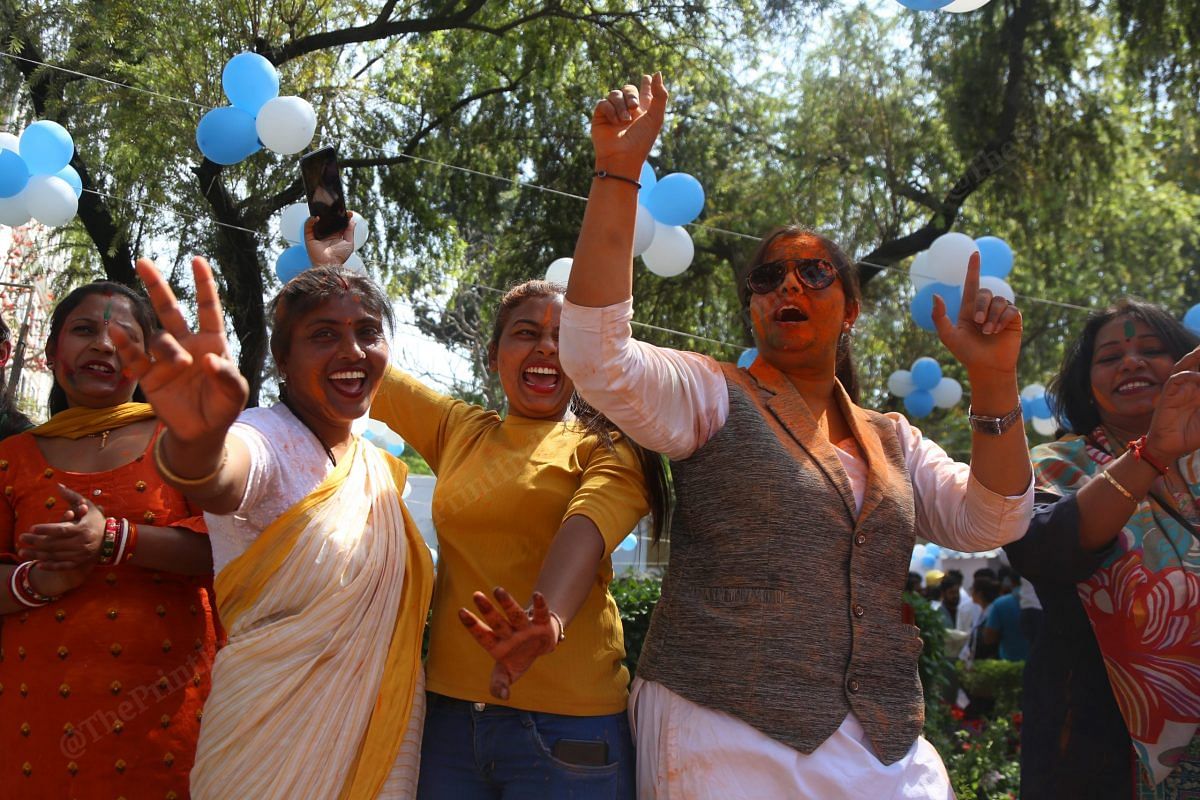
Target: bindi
{"type": "Point", "coordinates": [1130, 331]}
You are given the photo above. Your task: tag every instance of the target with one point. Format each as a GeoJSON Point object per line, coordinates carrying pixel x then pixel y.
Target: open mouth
{"type": "Point", "coordinates": [99, 368]}
{"type": "Point", "coordinates": [790, 313]}
{"type": "Point", "coordinates": [542, 379]}
{"type": "Point", "coordinates": [349, 382]}
{"type": "Point", "coordinates": [1134, 386]}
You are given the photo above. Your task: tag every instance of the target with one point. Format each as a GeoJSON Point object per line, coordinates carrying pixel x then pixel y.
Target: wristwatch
{"type": "Point", "coordinates": [993, 426]}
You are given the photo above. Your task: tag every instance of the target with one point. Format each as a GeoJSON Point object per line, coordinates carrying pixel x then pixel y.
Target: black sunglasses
{"type": "Point", "coordinates": [814, 273]}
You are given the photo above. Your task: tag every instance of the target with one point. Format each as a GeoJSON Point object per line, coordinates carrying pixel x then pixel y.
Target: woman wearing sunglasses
{"type": "Point", "coordinates": [777, 664]}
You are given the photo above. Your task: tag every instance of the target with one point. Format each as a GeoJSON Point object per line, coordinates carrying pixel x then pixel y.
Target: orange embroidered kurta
{"type": "Point", "coordinates": [101, 692]}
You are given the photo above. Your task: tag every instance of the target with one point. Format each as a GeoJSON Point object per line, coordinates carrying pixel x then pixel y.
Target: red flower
{"type": "Point", "coordinates": [957, 713]}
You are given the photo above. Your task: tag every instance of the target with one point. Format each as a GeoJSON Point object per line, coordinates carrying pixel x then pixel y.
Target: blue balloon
{"type": "Point", "coordinates": [69, 175]}
{"type": "Point", "coordinates": [46, 147]}
{"type": "Point", "coordinates": [292, 262]}
{"type": "Point", "coordinates": [250, 80]}
{"type": "Point", "coordinates": [922, 303]}
{"type": "Point", "coordinates": [1026, 408]}
{"type": "Point", "coordinates": [1039, 407]}
{"type": "Point", "coordinates": [926, 374]}
{"type": "Point", "coordinates": [932, 549]}
{"type": "Point", "coordinates": [927, 562]}
{"type": "Point", "coordinates": [647, 179]}
{"type": "Point", "coordinates": [995, 256]}
{"type": "Point", "coordinates": [919, 403]}
{"type": "Point", "coordinates": [925, 5]}
{"type": "Point", "coordinates": [676, 199]}
{"type": "Point", "coordinates": [1191, 320]}
{"type": "Point", "coordinates": [629, 542]}
{"type": "Point", "coordinates": [13, 174]}
{"type": "Point", "coordinates": [226, 135]}
{"type": "Point", "coordinates": [747, 357]}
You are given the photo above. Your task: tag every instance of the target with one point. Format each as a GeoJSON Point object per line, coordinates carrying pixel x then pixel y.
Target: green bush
{"type": "Point", "coordinates": [996, 679]}
{"type": "Point", "coordinates": [636, 596]}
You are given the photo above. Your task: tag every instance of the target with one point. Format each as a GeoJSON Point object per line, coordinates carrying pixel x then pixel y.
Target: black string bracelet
{"type": "Point", "coordinates": [601, 173]}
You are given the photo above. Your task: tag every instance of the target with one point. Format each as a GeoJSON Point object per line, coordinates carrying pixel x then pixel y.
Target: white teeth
{"type": "Point", "coordinates": [348, 375]}
{"type": "Point", "coordinates": [1133, 385]}
{"type": "Point", "coordinates": [542, 370]}
{"type": "Point", "coordinates": [105, 368]}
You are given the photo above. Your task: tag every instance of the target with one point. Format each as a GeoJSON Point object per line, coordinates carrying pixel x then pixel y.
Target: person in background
{"type": "Point", "coordinates": [1112, 686]}
{"type": "Point", "coordinates": [968, 610]}
{"type": "Point", "coordinates": [913, 583]}
{"type": "Point", "coordinates": [1002, 624]}
{"type": "Point", "coordinates": [108, 629]}
{"type": "Point", "coordinates": [984, 592]}
{"type": "Point", "coordinates": [933, 586]}
{"type": "Point", "coordinates": [12, 419]}
{"type": "Point", "coordinates": [949, 596]}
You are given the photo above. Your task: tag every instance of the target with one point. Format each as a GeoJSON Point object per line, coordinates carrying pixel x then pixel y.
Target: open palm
{"type": "Point", "coordinates": [189, 377]}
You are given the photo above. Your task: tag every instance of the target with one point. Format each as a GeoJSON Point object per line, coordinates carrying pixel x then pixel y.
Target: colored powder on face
{"type": "Point", "coordinates": [108, 312]}
{"type": "Point", "coordinates": [1130, 331]}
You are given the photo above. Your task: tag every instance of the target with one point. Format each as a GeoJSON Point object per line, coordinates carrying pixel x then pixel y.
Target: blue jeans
{"type": "Point", "coordinates": [503, 753]}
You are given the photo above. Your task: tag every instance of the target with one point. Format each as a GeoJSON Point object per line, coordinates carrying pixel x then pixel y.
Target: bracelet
{"type": "Point", "coordinates": [562, 629]}
{"type": "Point", "coordinates": [21, 588]}
{"type": "Point", "coordinates": [603, 173]}
{"type": "Point", "coordinates": [125, 555]}
{"type": "Point", "coordinates": [1117, 485]}
{"type": "Point", "coordinates": [180, 480]}
{"type": "Point", "coordinates": [108, 545]}
{"type": "Point", "coordinates": [1140, 452]}
{"type": "Point", "coordinates": [993, 426]}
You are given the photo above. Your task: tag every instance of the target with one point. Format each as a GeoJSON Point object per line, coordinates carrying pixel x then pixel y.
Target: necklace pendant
{"type": "Point", "coordinates": [104, 439]}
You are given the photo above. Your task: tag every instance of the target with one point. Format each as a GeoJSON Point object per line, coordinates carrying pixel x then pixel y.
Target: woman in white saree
{"type": "Point", "coordinates": [323, 581]}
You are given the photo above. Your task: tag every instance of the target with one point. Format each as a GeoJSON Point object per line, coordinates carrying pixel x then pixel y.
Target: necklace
{"type": "Point", "coordinates": [103, 437]}
{"type": "Point", "coordinates": [320, 441]}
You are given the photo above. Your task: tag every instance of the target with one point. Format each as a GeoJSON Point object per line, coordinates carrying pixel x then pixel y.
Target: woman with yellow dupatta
{"type": "Point", "coordinates": [323, 581]}
{"type": "Point", "coordinates": [107, 629]}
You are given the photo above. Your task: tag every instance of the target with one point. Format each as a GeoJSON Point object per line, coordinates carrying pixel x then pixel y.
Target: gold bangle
{"type": "Point", "coordinates": [166, 472]}
{"type": "Point", "coordinates": [1117, 485]}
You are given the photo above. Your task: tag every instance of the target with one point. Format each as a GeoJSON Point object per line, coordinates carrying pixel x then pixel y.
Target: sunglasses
{"type": "Point", "coordinates": [814, 273]}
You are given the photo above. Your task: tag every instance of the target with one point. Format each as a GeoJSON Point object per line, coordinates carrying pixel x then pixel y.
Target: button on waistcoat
{"type": "Point", "coordinates": [779, 606]}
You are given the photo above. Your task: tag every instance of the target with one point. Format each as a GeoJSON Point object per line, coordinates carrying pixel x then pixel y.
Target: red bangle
{"type": "Point", "coordinates": [1142, 453]}
{"type": "Point", "coordinates": [21, 588]}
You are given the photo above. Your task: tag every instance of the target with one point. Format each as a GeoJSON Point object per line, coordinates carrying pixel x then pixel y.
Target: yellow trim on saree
{"type": "Point", "coordinates": [75, 423]}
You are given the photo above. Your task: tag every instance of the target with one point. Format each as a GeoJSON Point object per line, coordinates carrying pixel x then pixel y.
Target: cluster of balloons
{"type": "Point", "coordinates": [1035, 406]}
{"type": "Point", "coordinates": [1191, 320]}
{"type": "Point", "coordinates": [294, 259]}
{"type": "Point", "coordinates": [953, 6]}
{"type": "Point", "coordinates": [942, 270]}
{"type": "Point", "coordinates": [923, 387]}
{"type": "Point", "coordinates": [36, 178]}
{"type": "Point", "coordinates": [258, 116]}
{"type": "Point", "coordinates": [924, 557]}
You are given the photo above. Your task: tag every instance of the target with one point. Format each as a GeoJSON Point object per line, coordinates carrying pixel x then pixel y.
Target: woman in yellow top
{"type": "Point", "coordinates": [535, 502]}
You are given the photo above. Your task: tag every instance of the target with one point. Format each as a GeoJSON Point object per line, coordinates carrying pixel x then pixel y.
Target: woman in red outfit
{"type": "Point", "coordinates": [107, 632]}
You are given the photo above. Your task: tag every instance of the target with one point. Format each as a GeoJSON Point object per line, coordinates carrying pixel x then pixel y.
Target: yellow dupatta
{"type": "Point", "coordinates": [240, 585]}
{"type": "Point", "coordinates": [75, 423]}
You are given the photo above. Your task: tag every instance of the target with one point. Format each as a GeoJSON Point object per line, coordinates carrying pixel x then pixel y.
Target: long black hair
{"type": "Point", "coordinates": [1071, 388]}
{"type": "Point", "coordinates": [12, 420]}
{"type": "Point", "coordinates": [591, 420]}
{"type": "Point", "coordinates": [847, 274]}
{"type": "Point", "coordinates": [143, 314]}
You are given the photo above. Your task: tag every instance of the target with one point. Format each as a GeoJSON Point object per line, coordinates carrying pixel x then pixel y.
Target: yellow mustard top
{"type": "Point", "coordinates": [504, 488]}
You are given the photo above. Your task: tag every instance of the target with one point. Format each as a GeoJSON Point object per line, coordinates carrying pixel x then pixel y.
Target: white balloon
{"type": "Point", "coordinates": [1046, 427]}
{"type": "Point", "coordinates": [384, 436]}
{"type": "Point", "coordinates": [948, 257]}
{"type": "Point", "coordinates": [900, 383]}
{"type": "Point", "coordinates": [355, 262]}
{"type": "Point", "coordinates": [1033, 391]}
{"type": "Point", "coordinates": [998, 287]}
{"type": "Point", "coordinates": [407, 491]}
{"type": "Point", "coordinates": [9, 142]}
{"type": "Point", "coordinates": [361, 229]}
{"type": "Point", "coordinates": [643, 231]}
{"type": "Point", "coordinates": [291, 222]}
{"type": "Point", "coordinates": [559, 270]}
{"type": "Point", "coordinates": [13, 210]}
{"type": "Point", "coordinates": [947, 393]}
{"type": "Point", "coordinates": [50, 200]}
{"type": "Point", "coordinates": [961, 6]}
{"type": "Point", "coordinates": [918, 271]}
{"type": "Point", "coordinates": [671, 251]}
{"type": "Point", "coordinates": [286, 124]}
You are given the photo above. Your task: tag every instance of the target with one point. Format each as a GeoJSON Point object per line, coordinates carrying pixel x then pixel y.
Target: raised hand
{"type": "Point", "coordinates": [189, 377]}
{"type": "Point", "coordinates": [1175, 428]}
{"type": "Point", "coordinates": [625, 125]}
{"type": "Point", "coordinates": [986, 337]}
{"type": "Point", "coordinates": [73, 544]}
{"type": "Point", "coordinates": [332, 250]}
{"type": "Point", "coordinates": [514, 638]}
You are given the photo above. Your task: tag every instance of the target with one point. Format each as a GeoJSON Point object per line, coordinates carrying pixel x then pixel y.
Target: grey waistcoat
{"type": "Point", "coordinates": [779, 606]}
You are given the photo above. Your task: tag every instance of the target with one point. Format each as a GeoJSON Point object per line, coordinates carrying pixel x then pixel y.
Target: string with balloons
{"type": "Point", "coordinates": [258, 116]}
{"type": "Point", "coordinates": [952, 6]}
{"type": "Point", "coordinates": [36, 178]}
{"type": "Point", "coordinates": [294, 259]}
{"type": "Point", "coordinates": [923, 387]}
{"type": "Point", "coordinates": [1035, 406]}
{"type": "Point", "coordinates": [924, 557]}
{"type": "Point", "coordinates": [942, 270]}
{"type": "Point", "coordinates": [665, 205]}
